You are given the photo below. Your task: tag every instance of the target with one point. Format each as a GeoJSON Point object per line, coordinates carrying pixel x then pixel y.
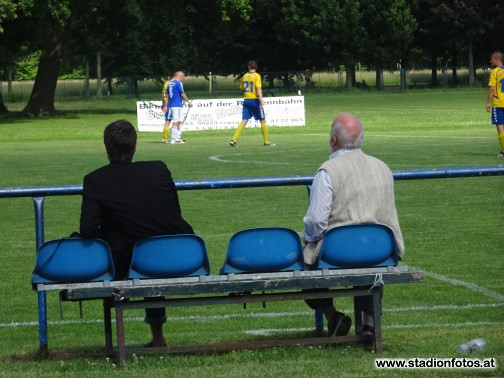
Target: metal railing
{"type": "Point", "coordinates": [38, 194]}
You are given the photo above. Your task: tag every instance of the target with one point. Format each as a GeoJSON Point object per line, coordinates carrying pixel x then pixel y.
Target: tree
{"type": "Point", "coordinates": [451, 27]}
{"type": "Point", "coordinates": [38, 25]}
{"type": "Point", "coordinates": [390, 26]}
{"type": "Point", "coordinates": [7, 50]}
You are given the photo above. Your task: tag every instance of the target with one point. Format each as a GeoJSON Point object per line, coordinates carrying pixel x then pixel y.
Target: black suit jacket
{"type": "Point", "coordinates": [124, 202]}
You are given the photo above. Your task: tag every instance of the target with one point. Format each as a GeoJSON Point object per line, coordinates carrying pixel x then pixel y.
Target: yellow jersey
{"type": "Point", "coordinates": [164, 95]}
{"type": "Point", "coordinates": [497, 81]}
{"type": "Point", "coordinates": [249, 84]}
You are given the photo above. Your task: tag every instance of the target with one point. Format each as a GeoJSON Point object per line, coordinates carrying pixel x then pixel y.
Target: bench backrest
{"type": "Point", "coordinates": [267, 249]}
{"type": "Point", "coordinates": [73, 260]}
{"type": "Point", "coordinates": [169, 256]}
{"type": "Point", "coordinates": [358, 246]}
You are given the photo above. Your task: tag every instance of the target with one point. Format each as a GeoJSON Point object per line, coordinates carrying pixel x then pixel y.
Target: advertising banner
{"type": "Point", "coordinates": [219, 113]}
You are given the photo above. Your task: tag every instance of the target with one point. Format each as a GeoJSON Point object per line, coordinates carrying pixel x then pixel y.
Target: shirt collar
{"type": "Point", "coordinates": [341, 152]}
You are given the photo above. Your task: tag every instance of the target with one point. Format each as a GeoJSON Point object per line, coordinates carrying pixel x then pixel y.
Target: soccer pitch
{"type": "Point", "coordinates": [452, 229]}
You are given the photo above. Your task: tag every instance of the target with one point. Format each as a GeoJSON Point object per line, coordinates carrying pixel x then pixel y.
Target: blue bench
{"type": "Point", "coordinates": [261, 265]}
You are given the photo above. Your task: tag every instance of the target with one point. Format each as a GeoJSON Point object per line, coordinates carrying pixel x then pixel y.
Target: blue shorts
{"type": "Point", "coordinates": [252, 108]}
{"type": "Point", "coordinates": [497, 116]}
{"type": "Point", "coordinates": [168, 116]}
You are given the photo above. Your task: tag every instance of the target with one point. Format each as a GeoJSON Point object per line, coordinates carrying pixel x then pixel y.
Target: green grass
{"type": "Point", "coordinates": [452, 229]}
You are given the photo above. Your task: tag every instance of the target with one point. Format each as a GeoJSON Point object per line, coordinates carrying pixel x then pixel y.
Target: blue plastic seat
{"type": "Point", "coordinates": [169, 256]}
{"type": "Point", "coordinates": [358, 246]}
{"type": "Point", "coordinates": [258, 250]}
{"type": "Point", "coordinates": [73, 260]}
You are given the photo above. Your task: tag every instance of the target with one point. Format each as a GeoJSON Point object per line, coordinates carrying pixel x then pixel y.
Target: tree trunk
{"type": "Point", "coordinates": [379, 79]}
{"type": "Point", "coordinates": [9, 83]}
{"type": "Point", "coordinates": [350, 75]}
{"type": "Point", "coordinates": [470, 61]}
{"type": "Point", "coordinates": [3, 108]}
{"type": "Point", "coordinates": [99, 93]}
{"type": "Point", "coordinates": [42, 97]}
{"type": "Point", "coordinates": [110, 89]}
{"type": "Point", "coordinates": [86, 81]}
{"type": "Point", "coordinates": [454, 68]}
{"type": "Point", "coordinates": [434, 77]}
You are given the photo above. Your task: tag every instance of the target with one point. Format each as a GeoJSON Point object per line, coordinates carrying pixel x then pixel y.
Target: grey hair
{"type": "Point", "coordinates": [346, 140]}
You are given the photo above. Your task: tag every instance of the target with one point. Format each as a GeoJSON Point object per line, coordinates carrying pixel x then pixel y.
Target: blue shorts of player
{"type": "Point", "coordinates": [252, 108]}
{"type": "Point", "coordinates": [168, 116]}
{"type": "Point", "coordinates": [497, 116]}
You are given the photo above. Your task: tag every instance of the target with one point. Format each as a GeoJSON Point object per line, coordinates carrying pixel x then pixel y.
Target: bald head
{"type": "Point", "coordinates": [346, 132]}
{"type": "Point", "coordinates": [179, 75]}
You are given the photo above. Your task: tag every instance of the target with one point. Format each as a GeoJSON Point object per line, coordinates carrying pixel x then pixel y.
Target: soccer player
{"type": "Point", "coordinates": [251, 87]}
{"type": "Point", "coordinates": [495, 102]}
{"type": "Point", "coordinates": [176, 94]}
{"type": "Point", "coordinates": [164, 107]}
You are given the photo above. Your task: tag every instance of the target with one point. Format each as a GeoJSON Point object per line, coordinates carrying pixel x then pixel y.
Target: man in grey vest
{"type": "Point", "coordinates": [350, 188]}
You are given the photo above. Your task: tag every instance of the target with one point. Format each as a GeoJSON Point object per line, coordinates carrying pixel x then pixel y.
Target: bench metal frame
{"type": "Point", "coordinates": [237, 289]}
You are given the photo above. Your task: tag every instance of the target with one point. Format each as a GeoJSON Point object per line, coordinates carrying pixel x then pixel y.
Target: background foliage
{"type": "Point", "coordinates": [141, 39]}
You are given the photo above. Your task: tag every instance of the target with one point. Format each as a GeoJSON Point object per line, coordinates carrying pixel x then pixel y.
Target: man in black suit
{"type": "Point", "coordinates": [124, 202]}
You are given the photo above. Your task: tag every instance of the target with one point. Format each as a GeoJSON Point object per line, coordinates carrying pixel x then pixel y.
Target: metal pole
{"type": "Point", "coordinates": [42, 303]}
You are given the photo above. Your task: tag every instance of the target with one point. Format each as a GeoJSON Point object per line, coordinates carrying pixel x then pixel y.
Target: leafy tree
{"type": "Point", "coordinates": [451, 27]}
{"type": "Point", "coordinates": [37, 25]}
{"type": "Point", "coordinates": [390, 26]}
{"type": "Point", "coordinates": [7, 48]}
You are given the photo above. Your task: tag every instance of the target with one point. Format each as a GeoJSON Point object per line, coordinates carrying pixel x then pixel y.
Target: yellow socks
{"type": "Point", "coordinates": [165, 132]}
{"type": "Point", "coordinates": [238, 131]}
{"type": "Point", "coordinates": [501, 139]}
{"type": "Point", "coordinates": [264, 130]}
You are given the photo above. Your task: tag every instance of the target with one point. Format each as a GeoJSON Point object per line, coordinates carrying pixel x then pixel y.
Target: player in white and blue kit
{"type": "Point", "coordinates": [176, 94]}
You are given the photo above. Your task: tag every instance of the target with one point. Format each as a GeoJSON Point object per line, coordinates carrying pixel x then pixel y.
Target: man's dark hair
{"type": "Point", "coordinates": [252, 65]}
{"type": "Point", "coordinates": [120, 140]}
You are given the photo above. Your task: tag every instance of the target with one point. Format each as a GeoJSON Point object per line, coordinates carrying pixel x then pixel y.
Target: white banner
{"type": "Point", "coordinates": [223, 114]}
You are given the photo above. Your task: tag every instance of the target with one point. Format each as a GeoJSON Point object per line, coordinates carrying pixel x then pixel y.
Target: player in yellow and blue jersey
{"type": "Point", "coordinates": [165, 100]}
{"type": "Point", "coordinates": [251, 87]}
{"type": "Point", "coordinates": [495, 102]}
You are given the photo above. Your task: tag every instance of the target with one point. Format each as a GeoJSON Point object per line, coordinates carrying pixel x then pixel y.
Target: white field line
{"type": "Point", "coordinates": [468, 285]}
{"type": "Point", "coordinates": [205, 318]}
{"type": "Point", "coordinates": [223, 159]}
{"type": "Point", "coordinates": [383, 135]}
{"type": "Point", "coordinates": [269, 331]}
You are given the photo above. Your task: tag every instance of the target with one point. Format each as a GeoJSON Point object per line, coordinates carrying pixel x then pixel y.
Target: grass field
{"type": "Point", "coordinates": [452, 229]}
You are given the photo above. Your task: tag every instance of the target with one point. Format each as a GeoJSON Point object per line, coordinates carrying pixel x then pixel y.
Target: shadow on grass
{"type": "Point", "coordinates": [17, 117]}
{"type": "Point", "coordinates": [67, 354]}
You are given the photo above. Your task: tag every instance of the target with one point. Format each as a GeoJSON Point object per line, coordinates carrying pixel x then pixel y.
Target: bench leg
{"type": "Point", "coordinates": [377, 310]}
{"type": "Point", "coordinates": [42, 319]}
{"type": "Point", "coordinates": [357, 315]}
{"type": "Point", "coordinates": [121, 343]}
{"type": "Point", "coordinates": [107, 321]}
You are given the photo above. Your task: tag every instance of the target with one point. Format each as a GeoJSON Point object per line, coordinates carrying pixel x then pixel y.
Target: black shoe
{"type": "Point", "coordinates": [339, 325]}
{"type": "Point", "coordinates": [500, 154]}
